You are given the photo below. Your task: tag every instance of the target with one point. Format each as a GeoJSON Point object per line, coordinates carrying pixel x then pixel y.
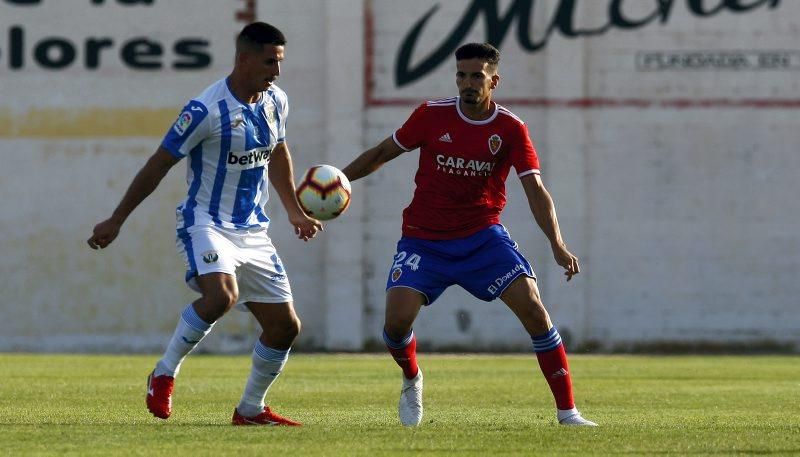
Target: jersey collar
{"type": "Point", "coordinates": [472, 121]}
{"type": "Point", "coordinates": [243, 103]}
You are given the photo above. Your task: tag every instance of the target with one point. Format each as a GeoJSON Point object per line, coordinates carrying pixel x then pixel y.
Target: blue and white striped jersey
{"type": "Point", "coordinates": [228, 143]}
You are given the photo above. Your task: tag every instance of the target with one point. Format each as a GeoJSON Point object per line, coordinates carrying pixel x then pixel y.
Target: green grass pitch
{"type": "Point", "coordinates": [479, 405]}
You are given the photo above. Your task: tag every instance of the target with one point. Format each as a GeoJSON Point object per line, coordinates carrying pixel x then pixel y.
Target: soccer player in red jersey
{"type": "Point", "coordinates": [451, 230]}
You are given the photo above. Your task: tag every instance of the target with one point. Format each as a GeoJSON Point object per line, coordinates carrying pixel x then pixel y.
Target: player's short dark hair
{"type": "Point", "coordinates": [483, 51]}
{"type": "Point", "coordinates": [254, 36]}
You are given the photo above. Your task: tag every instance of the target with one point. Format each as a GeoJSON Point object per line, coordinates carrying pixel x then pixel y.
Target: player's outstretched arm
{"type": "Point", "coordinates": [281, 175]}
{"type": "Point", "coordinates": [372, 159]}
{"type": "Point", "coordinates": [143, 184]}
{"type": "Point", "coordinates": [544, 211]}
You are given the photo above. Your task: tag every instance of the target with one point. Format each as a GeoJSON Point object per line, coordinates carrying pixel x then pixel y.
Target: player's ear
{"type": "Point", "coordinates": [495, 81]}
{"type": "Point", "coordinates": [241, 57]}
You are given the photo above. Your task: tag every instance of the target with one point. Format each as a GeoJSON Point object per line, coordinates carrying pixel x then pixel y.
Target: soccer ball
{"type": "Point", "coordinates": [324, 192]}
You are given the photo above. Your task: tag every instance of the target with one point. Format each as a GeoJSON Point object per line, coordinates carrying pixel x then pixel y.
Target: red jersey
{"type": "Point", "coordinates": [463, 165]}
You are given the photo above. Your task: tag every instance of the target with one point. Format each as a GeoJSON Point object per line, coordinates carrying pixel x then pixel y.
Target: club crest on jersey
{"type": "Point", "coordinates": [494, 143]}
{"type": "Point", "coordinates": [183, 123]}
{"type": "Point", "coordinates": [210, 256]}
{"type": "Point", "coordinates": [396, 273]}
{"type": "Point", "coordinates": [270, 111]}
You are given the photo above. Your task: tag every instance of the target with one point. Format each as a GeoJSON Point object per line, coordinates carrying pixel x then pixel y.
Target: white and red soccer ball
{"type": "Point", "coordinates": [324, 192]}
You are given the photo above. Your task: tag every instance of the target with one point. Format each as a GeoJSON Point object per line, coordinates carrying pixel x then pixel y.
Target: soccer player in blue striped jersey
{"type": "Point", "coordinates": [233, 136]}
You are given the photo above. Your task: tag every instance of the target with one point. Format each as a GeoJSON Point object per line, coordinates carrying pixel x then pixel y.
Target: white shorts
{"type": "Point", "coordinates": [247, 255]}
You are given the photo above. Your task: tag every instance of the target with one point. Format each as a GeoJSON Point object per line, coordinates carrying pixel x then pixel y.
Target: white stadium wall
{"type": "Point", "coordinates": [668, 133]}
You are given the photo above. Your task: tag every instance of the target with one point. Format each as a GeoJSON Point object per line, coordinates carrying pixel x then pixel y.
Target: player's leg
{"type": "Point", "coordinates": [522, 296]}
{"type": "Point", "coordinates": [265, 291]}
{"type": "Point", "coordinates": [280, 326]}
{"type": "Point", "coordinates": [211, 263]}
{"type": "Point", "coordinates": [419, 274]}
{"type": "Point", "coordinates": [494, 268]}
{"type": "Point", "coordinates": [219, 294]}
{"type": "Point", "coordinates": [402, 306]}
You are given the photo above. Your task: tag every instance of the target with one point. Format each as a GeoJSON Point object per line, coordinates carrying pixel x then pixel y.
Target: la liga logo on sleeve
{"type": "Point", "coordinates": [183, 123]}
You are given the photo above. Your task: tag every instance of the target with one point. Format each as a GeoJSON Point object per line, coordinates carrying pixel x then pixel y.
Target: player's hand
{"type": "Point", "coordinates": [305, 227]}
{"type": "Point", "coordinates": [567, 260]}
{"type": "Point", "coordinates": [104, 233]}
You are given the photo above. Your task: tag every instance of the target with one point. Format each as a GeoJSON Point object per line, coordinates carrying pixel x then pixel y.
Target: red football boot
{"type": "Point", "coordinates": [267, 417]}
{"type": "Point", "coordinates": [159, 395]}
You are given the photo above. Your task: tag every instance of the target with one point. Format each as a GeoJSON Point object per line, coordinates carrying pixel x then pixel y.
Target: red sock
{"type": "Point", "coordinates": [406, 357]}
{"type": "Point", "coordinates": [556, 371]}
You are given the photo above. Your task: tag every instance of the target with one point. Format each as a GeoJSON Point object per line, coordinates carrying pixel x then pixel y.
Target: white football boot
{"type": "Point", "coordinates": [410, 406]}
{"type": "Point", "coordinates": [573, 417]}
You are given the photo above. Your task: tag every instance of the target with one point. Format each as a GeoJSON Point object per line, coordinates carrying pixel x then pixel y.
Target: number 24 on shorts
{"type": "Point", "coordinates": [412, 261]}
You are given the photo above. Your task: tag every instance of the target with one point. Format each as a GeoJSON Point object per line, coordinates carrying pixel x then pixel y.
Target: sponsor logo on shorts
{"type": "Point", "coordinates": [183, 123]}
{"type": "Point", "coordinates": [277, 277]}
{"type": "Point", "coordinates": [396, 273]}
{"type": "Point", "coordinates": [277, 262]}
{"type": "Point", "coordinates": [210, 256]}
{"type": "Point", "coordinates": [503, 280]}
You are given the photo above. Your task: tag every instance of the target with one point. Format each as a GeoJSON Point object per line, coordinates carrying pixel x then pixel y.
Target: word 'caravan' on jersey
{"type": "Point", "coordinates": [460, 166]}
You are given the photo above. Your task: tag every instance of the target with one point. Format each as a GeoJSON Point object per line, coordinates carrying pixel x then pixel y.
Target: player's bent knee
{"type": "Point", "coordinates": [219, 303]}
{"type": "Point", "coordinates": [226, 300]}
{"type": "Point", "coordinates": [287, 330]}
{"type": "Point", "coordinates": [294, 327]}
{"type": "Point", "coordinates": [396, 331]}
{"type": "Point", "coordinates": [284, 335]}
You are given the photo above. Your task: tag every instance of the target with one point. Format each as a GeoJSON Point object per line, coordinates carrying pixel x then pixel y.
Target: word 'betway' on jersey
{"type": "Point", "coordinates": [461, 166]}
{"type": "Point", "coordinates": [250, 159]}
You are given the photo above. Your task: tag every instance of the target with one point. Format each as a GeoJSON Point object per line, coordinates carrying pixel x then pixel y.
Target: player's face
{"type": "Point", "coordinates": [264, 67]}
{"type": "Point", "coordinates": [475, 80]}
